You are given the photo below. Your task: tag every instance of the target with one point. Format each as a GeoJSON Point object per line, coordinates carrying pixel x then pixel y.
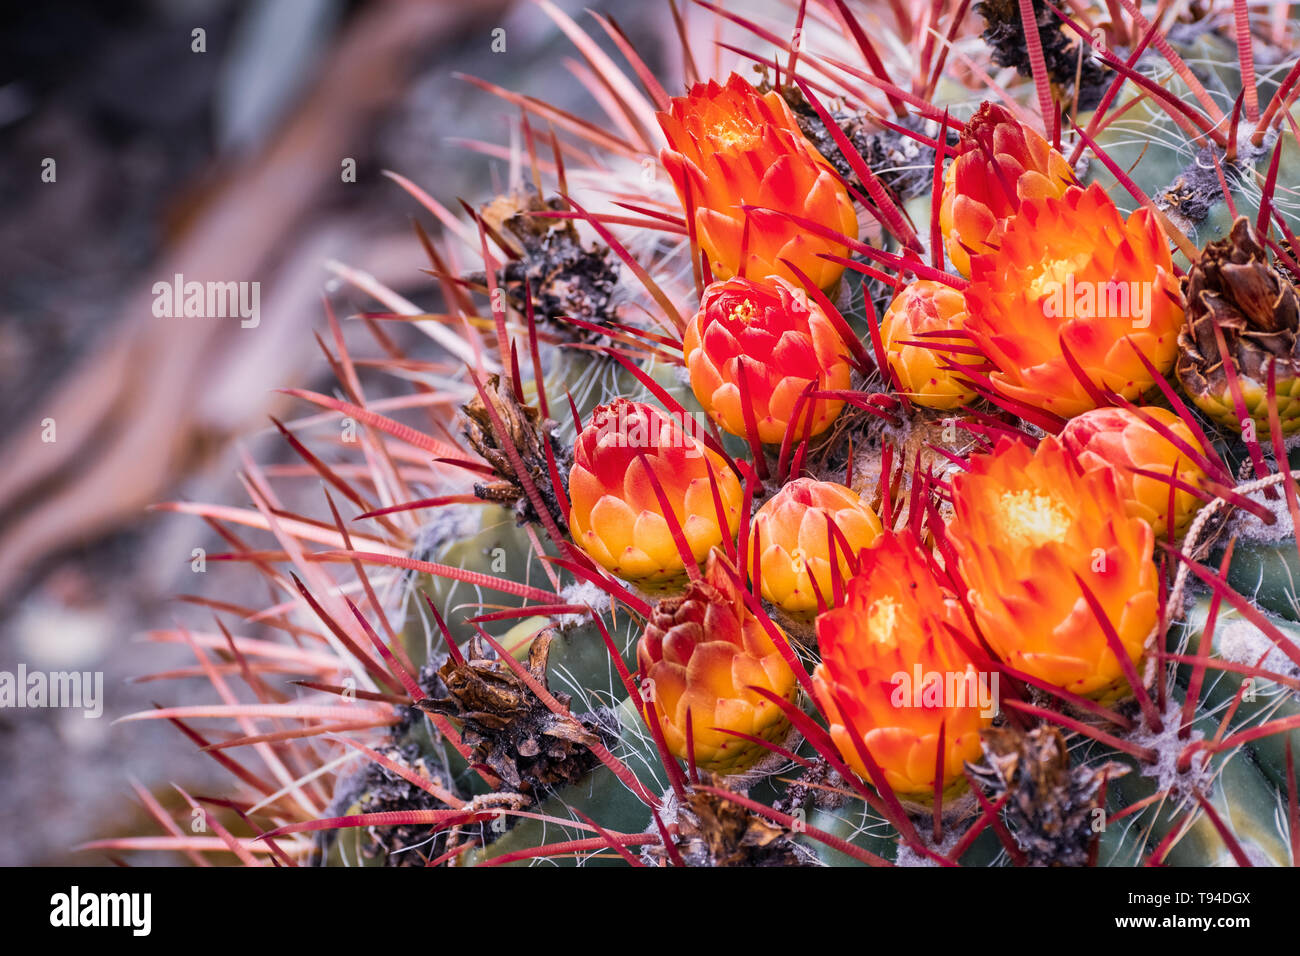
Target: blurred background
{"type": "Point", "coordinates": [145, 138]}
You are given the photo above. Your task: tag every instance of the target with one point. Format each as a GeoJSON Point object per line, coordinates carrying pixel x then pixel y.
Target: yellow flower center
{"type": "Point", "coordinates": [797, 562]}
{"type": "Point", "coordinates": [744, 312]}
{"type": "Point", "coordinates": [1032, 518]}
{"type": "Point", "coordinates": [882, 616]}
{"type": "Point", "coordinates": [730, 134]}
{"type": "Point", "coordinates": [1051, 276]}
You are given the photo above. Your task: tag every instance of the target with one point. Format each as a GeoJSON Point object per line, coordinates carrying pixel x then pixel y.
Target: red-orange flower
{"type": "Point", "coordinates": [1027, 527]}
{"type": "Point", "coordinates": [793, 534]}
{"type": "Point", "coordinates": [730, 146]}
{"type": "Point", "coordinates": [616, 515]}
{"type": "Point", "coordinates": [700, 655]}
{"type": "Point", "coordinates": [914, 334]}
{"type": "Point", "coordinates": [1000, 163]}
{"type": "Point", "coordinates": [784, 341]}
{"type": "Point", "coordinates": [1073, 274]}
{"type": "Point", "coordinates": [1121, 440]}
{"type": "Point", "coordinates": [892, 674]}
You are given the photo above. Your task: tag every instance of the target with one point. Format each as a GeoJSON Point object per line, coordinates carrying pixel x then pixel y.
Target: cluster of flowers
{"type": "Point", "coordinates": [1047, 559]}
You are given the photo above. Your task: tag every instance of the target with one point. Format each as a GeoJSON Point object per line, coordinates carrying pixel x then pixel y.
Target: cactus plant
{"type": "Point", "coordinates": [559, 625]}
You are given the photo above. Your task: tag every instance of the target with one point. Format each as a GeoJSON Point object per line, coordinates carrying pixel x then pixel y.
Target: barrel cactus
{"type": "Point", "coordinates": [848, 457]}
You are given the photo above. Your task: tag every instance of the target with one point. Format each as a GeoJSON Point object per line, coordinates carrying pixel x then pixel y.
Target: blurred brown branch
{"type": "Point", "coordinates": [154, 401]}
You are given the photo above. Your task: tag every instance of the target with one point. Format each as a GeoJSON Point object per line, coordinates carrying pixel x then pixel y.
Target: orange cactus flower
{"type": "Point", "coordinates": [616, 516]}
{"type": "Point", "coordinates": [1121, 440]}
{"type": "Point", "coordinates": [1027, 527]}
{"type": "Point", "coordinates": [729, 147]}
{"type": "Point", "coordinates": [916, 355]}
{"type": "Point", "coordinates": [892, 673]}
{"type": "Point", "coordinates": [1000, 163]}
{"type": "Point", "coordinates": [700, 655]}
{"type": "Point", "coordinates": [1073, 274]}
{"type": "Point", "coordinates": [785, 340]}
{"type": "Point", "coordinates": [794, 543]}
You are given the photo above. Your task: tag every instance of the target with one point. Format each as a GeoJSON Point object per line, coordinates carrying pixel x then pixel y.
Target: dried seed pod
{"type": "Point", "coordinates": [1053, 809]}
{"type": "Point", "coordinates": [900, 161]}
{"type": "Point", "coordinates": [1234, 287]}
{"type": "Point", "coordinates": [377, 789]}
{"type": "Point", "coordinates": [715, 831]}
{"type": "Point", "coordinates": [528, 432]}
{"type": "Point", "coordinates": [1004, 32]}
{"type": "Point", "coordinates": [510, 729]}
{"type": "Point", "coordinates": [564, 277]}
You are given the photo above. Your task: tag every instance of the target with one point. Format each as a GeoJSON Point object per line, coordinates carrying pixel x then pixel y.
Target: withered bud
{"type": "Point", "coordinates": [510, 729]}
{"type": "Point", "coordinates": [714, 831]}
{"type": "Point", "coordinates": [1234, 287]}
{"type": "Point", "coordinates": [563, 277]}
{"type": "Point", "coordinates": [1054, 808]}
{"type": "Point", "coordinates": [528, 432]}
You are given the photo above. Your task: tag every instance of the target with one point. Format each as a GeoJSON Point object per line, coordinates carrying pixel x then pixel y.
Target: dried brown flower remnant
{"type": "Point", "coordinates": [715, 831]}
{"type": "Point", "coordinates": [1235, 290]}
{"type": "Point", "coordinates": [377, 789]}
{"type": "Point", "coordinates": [509, 728]}
{"type": "Point", "coordinates": [563, 277]}
{"type": "Point", "coordinates": [1053, 806]}
{"type": "Point", "coordinates": [528, 432]}
{"type": "Point", "coordinates": [1004, 32]}
{"type": "Point", "coordinates": [901, 162]}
